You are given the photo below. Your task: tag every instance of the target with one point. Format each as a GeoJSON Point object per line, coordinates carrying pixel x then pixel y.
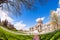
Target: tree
{"type": "Point", "coordinates": [5, 23]}
{"type": "Point", "coordinates": [16, 5]}
{"type": "Point", "coordinates": [54, 18]}
{"type": "Point", "coordinates": [0, 21]}
{"type": "Point", "coordinates": [10, 26]}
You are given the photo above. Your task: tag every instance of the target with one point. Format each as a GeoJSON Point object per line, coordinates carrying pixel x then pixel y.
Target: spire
{"type": "Point", "coordinates": [59, 4]}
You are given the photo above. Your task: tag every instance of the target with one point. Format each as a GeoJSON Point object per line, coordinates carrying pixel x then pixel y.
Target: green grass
{"type": "Point", "coordinates": [5, 35]}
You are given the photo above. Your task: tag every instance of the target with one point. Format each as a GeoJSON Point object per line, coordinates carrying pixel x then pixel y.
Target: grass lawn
{"type": "Point", "coordinates": [5, 35]}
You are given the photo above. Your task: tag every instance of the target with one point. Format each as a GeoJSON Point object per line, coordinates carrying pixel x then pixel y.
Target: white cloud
{"type": "Point", "coordinates": [59, 1]}
{"type": "Point", "coordinates": [40, 19]}
{"type": "Point", "coordinates": [4, 15]}
{"type": "Point", "coordinates": [19, 25]}
{"type": "Point", "coordinates": [58, 9]}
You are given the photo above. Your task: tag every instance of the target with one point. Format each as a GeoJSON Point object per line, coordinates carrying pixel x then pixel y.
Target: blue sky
{"type": "Point", "coordinates": [29, 17]}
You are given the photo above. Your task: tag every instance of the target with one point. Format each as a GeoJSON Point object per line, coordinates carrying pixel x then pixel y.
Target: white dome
{"type": "Point", "coordinates": [40, 19]}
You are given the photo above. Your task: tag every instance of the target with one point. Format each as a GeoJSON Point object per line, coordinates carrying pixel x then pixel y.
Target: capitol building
{"type": "Point", "coordinates": [40, 27]}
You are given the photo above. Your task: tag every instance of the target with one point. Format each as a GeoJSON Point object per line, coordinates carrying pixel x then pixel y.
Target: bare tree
{"type": "Point", "coordinates": [16, 5]}
{"type": "Point", "coordinates": [54, 18]}
{"type": "Point", "coordinates": [5, 23]}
